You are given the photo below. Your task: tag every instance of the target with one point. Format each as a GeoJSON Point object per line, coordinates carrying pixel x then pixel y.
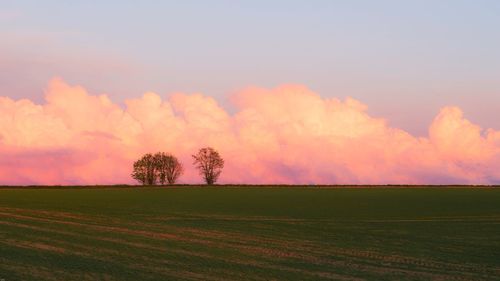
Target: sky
{"type": "Point", "coordinates": [422, 76]}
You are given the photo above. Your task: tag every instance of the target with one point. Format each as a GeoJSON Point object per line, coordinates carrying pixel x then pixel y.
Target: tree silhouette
{"type": "Point", "coordinates": [209, 163]}
{"type": "Point", "coordinates": [144, 170]}
{"type": "Point", "coordinates": [167, 167]}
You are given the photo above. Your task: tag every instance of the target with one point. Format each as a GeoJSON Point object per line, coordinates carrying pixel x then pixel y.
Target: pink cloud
{"type": "Point", "coordinates": [284, 135]}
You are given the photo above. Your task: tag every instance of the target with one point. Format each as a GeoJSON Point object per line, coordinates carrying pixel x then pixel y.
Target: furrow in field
{"type": "Point", "coordinates": [294, 251]}
{"type": "Point", "coordinates": [106, 256]}
{"type": "Point", "coordinates": [84, 250]}
{"type": "Point", "coordinates": [32, 272]}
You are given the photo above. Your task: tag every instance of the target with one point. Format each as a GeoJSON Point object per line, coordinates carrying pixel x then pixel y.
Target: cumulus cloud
{"type": "Point", "coordinates": [288, 134]}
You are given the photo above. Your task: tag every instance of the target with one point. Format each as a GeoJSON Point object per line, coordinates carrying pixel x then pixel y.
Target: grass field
{"type": "Point", "coordinates": [250, 234]}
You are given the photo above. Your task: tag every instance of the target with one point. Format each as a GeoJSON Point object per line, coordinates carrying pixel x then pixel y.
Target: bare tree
{"type": "Point", "coordinates": [167, 167]}
{"type": "Point", "coordinates": [144, 170]}
{"type": "Point", "coordinates": [209, 163]}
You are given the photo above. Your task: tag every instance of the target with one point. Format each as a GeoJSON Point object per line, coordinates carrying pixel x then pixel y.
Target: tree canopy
{"type": "Point", "coordinates": [168, 168]}
{"type": "Point", "coordinates": [158, 168]}
{"type": "Point", "coordinates": [209, 163]}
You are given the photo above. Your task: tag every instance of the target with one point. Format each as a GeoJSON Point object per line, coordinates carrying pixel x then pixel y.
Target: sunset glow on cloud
{"type": "Point", "coordinates": [288, 134]}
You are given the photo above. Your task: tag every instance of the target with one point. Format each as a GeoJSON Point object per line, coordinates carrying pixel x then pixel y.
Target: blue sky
{"type": "Point", "coordinates": [404, 59]}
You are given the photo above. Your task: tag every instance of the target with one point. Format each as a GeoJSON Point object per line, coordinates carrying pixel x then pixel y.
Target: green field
{"type": "Point", "coordinates": [250, 234]}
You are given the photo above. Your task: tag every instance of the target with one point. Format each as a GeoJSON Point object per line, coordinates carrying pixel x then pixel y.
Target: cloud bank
{"type": "Point", "coordinates": [288, 134]}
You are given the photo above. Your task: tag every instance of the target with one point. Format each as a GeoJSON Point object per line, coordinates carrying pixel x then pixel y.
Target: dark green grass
{"type": "Point", "coordinates": [250, 234]}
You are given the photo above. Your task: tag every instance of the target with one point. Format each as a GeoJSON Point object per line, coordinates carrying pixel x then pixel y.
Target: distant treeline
{"type": "Point", "coordinates": [164, 168]}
